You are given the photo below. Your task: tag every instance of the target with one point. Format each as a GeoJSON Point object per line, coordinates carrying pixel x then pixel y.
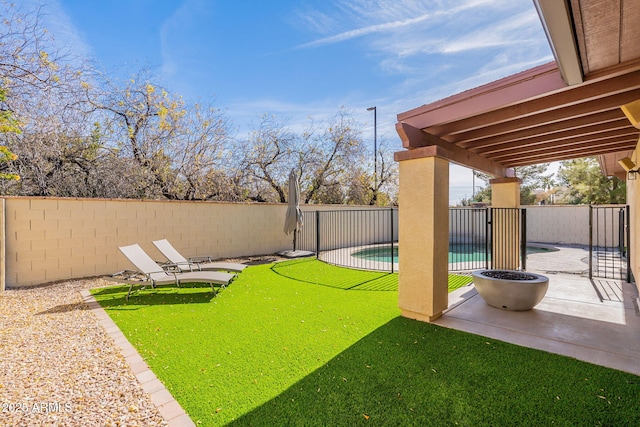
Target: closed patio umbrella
{"type": "Point", "coordinates": [293, 219]}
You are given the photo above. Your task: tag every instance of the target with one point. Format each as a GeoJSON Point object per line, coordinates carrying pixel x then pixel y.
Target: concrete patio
{"type": "Point", "coordinates": [596, 321]}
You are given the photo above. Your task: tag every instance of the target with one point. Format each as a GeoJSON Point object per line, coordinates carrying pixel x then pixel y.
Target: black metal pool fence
{"type": "Point", "coordinates": [358, 238]}
{"type": "Point", "coordinates": [609, 237]}
{"type": "Point", "coordinates": [368, 238]}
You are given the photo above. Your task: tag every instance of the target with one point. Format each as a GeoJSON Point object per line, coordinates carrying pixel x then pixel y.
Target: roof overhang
{"type": "Point", "coordinates": [558, 111]}
{"type": "Point", "coordinates": [557, 23]}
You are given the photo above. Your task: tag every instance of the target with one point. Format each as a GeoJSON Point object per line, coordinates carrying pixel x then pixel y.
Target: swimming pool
{"type": "Point", "coordinates": [457, 253]}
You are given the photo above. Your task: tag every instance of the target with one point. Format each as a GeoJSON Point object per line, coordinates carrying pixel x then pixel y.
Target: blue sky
{"type": "Point", "coordinates": [308, 58]}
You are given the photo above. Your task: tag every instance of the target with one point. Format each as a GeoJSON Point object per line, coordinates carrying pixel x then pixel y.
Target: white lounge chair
{"type": "Point", "coordinates": [194, 263]}
{"type": "Point", "coordinates": [152, 273]}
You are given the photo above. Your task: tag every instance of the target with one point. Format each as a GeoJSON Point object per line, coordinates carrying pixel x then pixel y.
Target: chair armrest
{"type": "Point", "coordinates": [128, 276]}
{"type": "Point", "coordinates": [170, 267]}
{"type": "Point", "coordinates": [200, 259]}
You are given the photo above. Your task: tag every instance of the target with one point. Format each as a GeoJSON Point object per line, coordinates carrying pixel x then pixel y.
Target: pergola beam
{"type": "Point", "coordinates": [539, 120]}
{"type": "Point", "coordinates": [560, 140]}
{"type": "Point", "coordinates": [416, 141]}
{"type": "Point", "coordinates": [576, 126]}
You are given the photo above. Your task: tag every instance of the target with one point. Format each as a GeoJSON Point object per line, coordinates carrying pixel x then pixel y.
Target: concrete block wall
{"type": "Point", "coordinates": [50, 239]}
{"type": "Point", "coordinates": [566, 224]}
{"type": "Point", "coordinates": [569, 224]}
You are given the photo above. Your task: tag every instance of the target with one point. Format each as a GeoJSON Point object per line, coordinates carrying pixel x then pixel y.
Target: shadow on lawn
{"type": "Point", "coordinates": [114, 298]}
{"type": "Point", "coordinates": [411, 373]}
{"type": "Point", "coordinates": [348, 278]}
{"type": "Point", "coordinates": [336, 277]}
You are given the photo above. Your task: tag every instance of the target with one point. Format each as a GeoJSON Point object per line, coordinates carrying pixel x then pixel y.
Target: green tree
{"type": "Point", "coordinates": [585, 184]}
{"type": "Point", "coordinates": [384, 188]}
{"type": "Point", "coordinates": [76, 132]}
{"type": "Point", "coordinates": [27, 64]}
{"type": "Point", "coordinates": [29, 57]}
{"type": "Point", "coordinates": [42, 126]}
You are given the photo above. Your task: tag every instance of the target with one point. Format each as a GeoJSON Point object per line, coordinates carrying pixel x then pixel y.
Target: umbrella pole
{"type": "Point", "coordinates": [294, 239]}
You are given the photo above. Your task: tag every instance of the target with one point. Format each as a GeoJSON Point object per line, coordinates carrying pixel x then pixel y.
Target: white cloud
{"type": "Point", "coordinates": [315, 22]}
{"type": "Point", "coordinates": [408, 28]}
{"type": "Point", "coordinates": [384, 18]}
{"type": "Point", "coordinates": [247, 113]}
{"type": "Point", "coordinates": [363, 31]}
{"type": "Point", "coordinates": [512, 31]}
{"type": "Point", "coordinates": [423, 39]}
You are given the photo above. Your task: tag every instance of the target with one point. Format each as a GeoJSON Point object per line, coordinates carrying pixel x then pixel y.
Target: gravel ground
{"type": "Point", "coordinates": [58, 367]}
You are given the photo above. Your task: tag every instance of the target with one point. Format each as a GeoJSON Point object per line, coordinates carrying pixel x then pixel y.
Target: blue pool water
{"type": "Point", "coordinates": [457, 253]}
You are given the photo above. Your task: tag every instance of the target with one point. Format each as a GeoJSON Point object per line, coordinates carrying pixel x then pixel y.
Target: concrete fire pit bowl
{"type": "Point", "coordinates": [510, 289]}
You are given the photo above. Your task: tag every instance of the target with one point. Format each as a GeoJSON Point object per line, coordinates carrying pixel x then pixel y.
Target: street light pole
{"type": "Point", "coordinates": [375, 153]}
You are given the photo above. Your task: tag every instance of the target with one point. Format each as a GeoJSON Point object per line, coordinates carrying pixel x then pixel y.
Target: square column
{"type": "Point", "coordinates": [505, 192]}
{"type": "Point", "coordinates": [505, 223]}
{"type": "Point", "coordinates": [423, 237]}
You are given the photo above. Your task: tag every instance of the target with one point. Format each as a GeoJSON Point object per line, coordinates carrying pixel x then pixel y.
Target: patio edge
{"type": "Point", "coordinates": [168, 407]}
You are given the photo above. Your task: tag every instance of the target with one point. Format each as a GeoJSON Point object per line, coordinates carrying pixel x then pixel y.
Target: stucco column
{"type": "Point", "coordinates": [423, 237]}
{"type": "Point", "coordinates": [505, 225]}
{"type": "Point", "coordinates": [633, 200]}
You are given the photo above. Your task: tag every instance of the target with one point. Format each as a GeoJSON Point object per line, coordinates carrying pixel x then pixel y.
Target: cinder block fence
{"type": "Point", "coordinates": [50, 239]}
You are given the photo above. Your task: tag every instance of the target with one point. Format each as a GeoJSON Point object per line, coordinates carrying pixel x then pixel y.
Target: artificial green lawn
{"type": "Point", "coordinates": [271, 350]}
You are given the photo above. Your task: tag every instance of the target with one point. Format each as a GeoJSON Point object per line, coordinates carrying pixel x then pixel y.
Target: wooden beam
{"type": "Point", "coordinates": [553, 156]}
{"type": "Point", "coordinates": [540, 120]}
{"type": "Point", "coordinates": [559, 140]}
{"type": "Point", "coordinates": [422, 152]}
{"type": "Point", "coordinates": [414, 139]}
{"type": "Point", "coordinates": [582, 124]}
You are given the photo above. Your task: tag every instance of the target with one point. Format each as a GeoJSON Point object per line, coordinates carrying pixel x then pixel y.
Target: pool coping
{"type": "Point", "coordinates": [332, 255]}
